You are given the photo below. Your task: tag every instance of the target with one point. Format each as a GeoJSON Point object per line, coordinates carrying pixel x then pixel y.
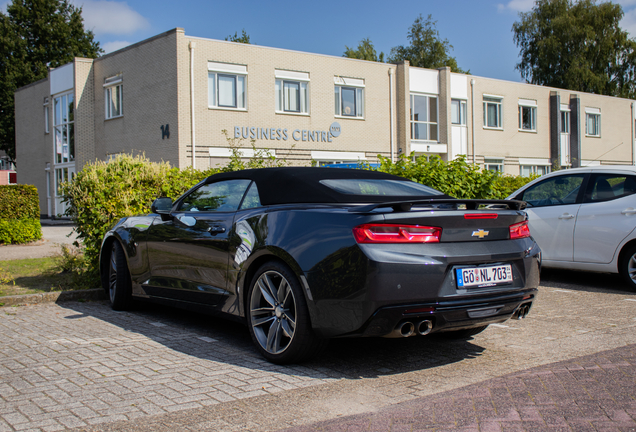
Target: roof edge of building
{"type": "Point", "coordinates": [145, 41]}
{"type": "Point", "coordinates": [34, 83]}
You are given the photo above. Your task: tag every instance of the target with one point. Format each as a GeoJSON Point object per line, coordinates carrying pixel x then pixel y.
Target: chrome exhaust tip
{"type": "Point", "coordinates": [522, 312]}
{"type": "Point", "coordinates": [406, 329]}
{"type": "Point", "coordinates": [424, 327]}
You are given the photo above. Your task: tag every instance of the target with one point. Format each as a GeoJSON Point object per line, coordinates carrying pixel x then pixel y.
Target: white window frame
{"type": "Point", "coordinates": [458, 112]}
{"type": "Point", "coordinates": [64, 128]}
{"type": "Point", "coordinates": [593, 114]}
{"type": "Point", "coordinates": [496, 163]}
{"type": "Point", "coordinates": [300, 79]}
{"type": "Point", "coordinates": [565, 121]}
{"type": "Point", "coordinates": [498, 102]}
{"type": "Point", "coordinates": [531, 107]}
{"type": "Point", "coordinates": [47, 119]}
{"type": "Point", "coordinates": [238, 73]}
{"type": "Point", "coordinates": [354, 85]}
{"type": "Point", "coordinates": [113, 86]}
{"type": "Point", "coordinates": [428, 121]}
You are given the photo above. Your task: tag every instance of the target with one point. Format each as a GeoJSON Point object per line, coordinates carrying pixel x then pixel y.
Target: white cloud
{"type": "Point", "coordinates": [628, 23]}
{"type": "Point", "coordinates": [109, 47]}
{"type": "Point", "coordinates": [111, 17]}
{"type": "Point", "coordinates": [516, 5]}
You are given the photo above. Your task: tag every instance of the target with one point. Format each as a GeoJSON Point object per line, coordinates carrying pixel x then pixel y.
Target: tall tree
{"type": "Point", "coordinates": [36, 35]}
{"type": "Point", "coordinates": [427, 49]}
{"type": "Point", "coordinates": [365, 51]}
{"type": "Point", "coordinates": [578, 46]}
{"type": "Point", "coordinates": [243, 38]}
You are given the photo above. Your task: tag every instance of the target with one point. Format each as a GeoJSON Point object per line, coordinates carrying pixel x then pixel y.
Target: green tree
{"type": "Point", "coordinates": [578, 46]}
{"type": "Point", "coordinates": [243, 38]}
{"type": "Point", "coordinates": [427, 49]}
{"type": "Point", "coordinates": [36, 35]}
{"type": "Point", "coordinates": [365, 51]}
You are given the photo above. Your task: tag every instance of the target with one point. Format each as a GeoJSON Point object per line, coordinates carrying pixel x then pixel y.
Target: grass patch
{"type": "Point", "coordinates": [37, 275]}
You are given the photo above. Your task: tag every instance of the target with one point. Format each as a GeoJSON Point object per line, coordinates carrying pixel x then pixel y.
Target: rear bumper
{"type": "Point", "coordinates": [449, 315]}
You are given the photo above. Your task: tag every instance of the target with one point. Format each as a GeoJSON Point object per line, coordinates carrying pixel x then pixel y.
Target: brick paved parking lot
{"type": "Point", "coordinates": [82, 365]}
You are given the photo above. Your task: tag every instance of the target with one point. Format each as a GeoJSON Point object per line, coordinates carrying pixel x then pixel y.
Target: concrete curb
{"type": "Point", "coordinates": [53, 297]}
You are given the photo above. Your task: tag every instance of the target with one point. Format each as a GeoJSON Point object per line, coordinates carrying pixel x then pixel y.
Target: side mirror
{"type": "Point", "coordinates": [162, 206]}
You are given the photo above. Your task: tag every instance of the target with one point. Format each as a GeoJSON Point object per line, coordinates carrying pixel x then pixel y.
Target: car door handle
{"type": "Point", "coordinates": [566, 216]}
{"type": "Point", "coordinates": [215, 229]}
{"type": "Point", "coordinates": [629, 211]}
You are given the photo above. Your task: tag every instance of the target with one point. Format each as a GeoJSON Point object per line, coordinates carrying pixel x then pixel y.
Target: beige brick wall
{"type": "Point", "coordinates": [34, 147]}
{"type": "Point", "coordinates": [150, 88]}
{"type": "Point", "coordinates": [370, 135]}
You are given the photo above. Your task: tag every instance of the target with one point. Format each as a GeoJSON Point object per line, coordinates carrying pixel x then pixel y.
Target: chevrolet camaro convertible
{"type": "Point", "coordinates": [302, 255]}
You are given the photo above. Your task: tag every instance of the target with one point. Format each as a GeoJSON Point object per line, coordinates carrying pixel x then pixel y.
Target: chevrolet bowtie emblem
{"type": "Point", "coordinates": [481, 233]}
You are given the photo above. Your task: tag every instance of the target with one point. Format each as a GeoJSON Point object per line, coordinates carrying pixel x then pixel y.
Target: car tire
{"type": "Point", "coordinates": [278, 318]}
{"type": "Point", "coordinates": [463, 334]}
{"type": "Point", "coordinates": [627, 267]}
{"type": "Point", "coordinates": [119, 284]}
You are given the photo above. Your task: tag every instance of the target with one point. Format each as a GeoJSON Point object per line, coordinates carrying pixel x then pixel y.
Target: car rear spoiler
{"type": "Point", "coordinates": [470, 204]}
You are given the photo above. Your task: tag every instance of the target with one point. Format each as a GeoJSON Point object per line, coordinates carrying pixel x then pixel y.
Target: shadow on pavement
{"type": "Point", "coordinates": [210, 338]}
{"type": "Point", "coordinates": [584, 281]}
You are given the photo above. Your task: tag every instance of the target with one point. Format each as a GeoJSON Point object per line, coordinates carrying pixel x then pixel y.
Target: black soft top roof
{"type": "Point", "coordinates": [295, 185]}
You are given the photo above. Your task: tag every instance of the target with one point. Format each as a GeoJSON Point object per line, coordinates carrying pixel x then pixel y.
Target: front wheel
{"type": "Point", "coordinates": [278, 317]}
{"type": "Point", "coordinates": [627, 267]}
{"type": "Point", "coordinates": [119, 284]}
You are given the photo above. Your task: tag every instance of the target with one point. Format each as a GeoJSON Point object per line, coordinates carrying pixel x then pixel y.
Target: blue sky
{"type": "Point", "coordinates": [479, 30]}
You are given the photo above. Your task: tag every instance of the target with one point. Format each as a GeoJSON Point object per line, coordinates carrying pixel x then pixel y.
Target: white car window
{"type": "Point", "coordinates": [554, 191]}
{"type": "Point", "coordinates": [606, 187]}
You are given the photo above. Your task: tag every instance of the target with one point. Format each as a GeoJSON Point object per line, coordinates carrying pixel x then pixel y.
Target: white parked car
{"type": "Point", "coordinates": [585, 219]}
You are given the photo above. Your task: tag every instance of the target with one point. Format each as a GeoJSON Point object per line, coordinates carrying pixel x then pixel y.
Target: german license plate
{"type": "Point", "coordinates": [483, 276]}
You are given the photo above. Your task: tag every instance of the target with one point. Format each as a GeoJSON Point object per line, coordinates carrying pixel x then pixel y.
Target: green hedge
{"type": "Point", "coordinates": [20, 230]}
{"type": "Point", "coordinates": [19, 214]}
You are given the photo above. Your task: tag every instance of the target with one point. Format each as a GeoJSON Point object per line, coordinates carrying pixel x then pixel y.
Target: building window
{"type": "Point", "coordinates": [593, 122]}
{"type": "Point", "coordinates": [496, 165]}
{"type": "Point", "coordinates": [227, 86]}
{"type": "Point", "coordinates": [527, 115]}
{"type": "Point", "coordinates": [114, 97]}
{"type": "Point", "coordinates": [423, 117]}
{"type": "Point", "coordinates": [528, 170]}
{"type": "Point", "coordinates": [46, 115]}
{"type": "Point", "coordinates": [458, 112]}
{"type": "Point", "coordinates": [349, 97]}
{"type": "Point", "coordinates": [292, 92]}
{"type": "Point", "coordinates": [492, 112]}
{"type": "Point", "coordinates": [565, 122]}
{"type": "Point", "coordinates": [64, 128]}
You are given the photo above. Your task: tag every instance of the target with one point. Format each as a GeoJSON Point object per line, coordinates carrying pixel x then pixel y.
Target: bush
{"type": "Point", "coordinates": [20, 214]}
{"type": "Point", "coordinates": [456, 178]}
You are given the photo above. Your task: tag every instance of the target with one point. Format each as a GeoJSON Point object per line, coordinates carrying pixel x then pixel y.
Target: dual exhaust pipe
{"type": "Point", "coordinates": [522, 312]}
{"type": "Point", "coordinates": [410, 328]}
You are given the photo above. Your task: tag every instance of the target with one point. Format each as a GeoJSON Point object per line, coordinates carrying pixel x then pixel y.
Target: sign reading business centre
{"type": "Point", "coordinates": [259, 133]}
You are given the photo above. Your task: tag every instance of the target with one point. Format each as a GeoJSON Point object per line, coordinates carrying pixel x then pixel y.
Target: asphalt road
{"type": "Point", "coordinates": [571, 365]}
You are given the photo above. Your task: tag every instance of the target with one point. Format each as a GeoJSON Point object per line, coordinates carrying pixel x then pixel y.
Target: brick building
{"type": "Point", "coordinates": [172, 96]}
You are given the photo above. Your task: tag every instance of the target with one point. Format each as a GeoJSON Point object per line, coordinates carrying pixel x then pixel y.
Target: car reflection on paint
{"type": "Point", "coordinates": [301, 255]}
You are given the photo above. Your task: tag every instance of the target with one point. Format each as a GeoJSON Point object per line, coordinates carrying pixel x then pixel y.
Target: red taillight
{"type": "Point", "coordinates": [388, 233]}
{"type": "Point", "coordinates": [519, 230]}
{"type": "Point", "coordinates": [480, 216]}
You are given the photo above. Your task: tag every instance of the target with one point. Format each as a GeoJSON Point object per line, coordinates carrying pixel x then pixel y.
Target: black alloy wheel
{"type": "Point", "coordinates": [278, 317]}
{"type": "Point", "coordinates": [119, 284]}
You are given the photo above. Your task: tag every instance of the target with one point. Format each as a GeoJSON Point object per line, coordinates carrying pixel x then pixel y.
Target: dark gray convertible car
{"type": "Point", "coordinates": [302, 255]}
